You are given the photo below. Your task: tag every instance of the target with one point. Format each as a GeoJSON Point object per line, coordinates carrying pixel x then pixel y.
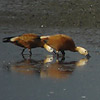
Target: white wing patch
{"type": "Point", "coordinates": [13, 39]}
{"type": "Point", "coordinates": [43, 37]}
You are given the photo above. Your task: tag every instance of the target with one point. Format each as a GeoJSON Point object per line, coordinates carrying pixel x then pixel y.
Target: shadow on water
{"type": "Point", "coordinates": [47, 68]}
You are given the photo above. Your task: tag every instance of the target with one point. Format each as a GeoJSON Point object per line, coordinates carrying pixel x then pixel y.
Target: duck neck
{"type": "Point", "coordinates": [77, 49]}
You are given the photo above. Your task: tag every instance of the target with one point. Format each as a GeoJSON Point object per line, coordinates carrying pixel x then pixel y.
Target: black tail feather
{"type": "Point", "coordinates": [7, 39]}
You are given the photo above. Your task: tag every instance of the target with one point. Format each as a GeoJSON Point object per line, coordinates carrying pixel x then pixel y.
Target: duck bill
{"type": "Point", "coordinates": [88, 56]}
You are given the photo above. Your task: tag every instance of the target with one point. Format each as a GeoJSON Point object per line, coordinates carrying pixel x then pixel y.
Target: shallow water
{"type": "Point", "coordinates": [43, 77]}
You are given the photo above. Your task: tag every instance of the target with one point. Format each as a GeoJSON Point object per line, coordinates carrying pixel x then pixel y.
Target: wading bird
{"type": "Point", "coordinates": [28, 41]}
{"type": "Point", "coordinates": [61, 42]}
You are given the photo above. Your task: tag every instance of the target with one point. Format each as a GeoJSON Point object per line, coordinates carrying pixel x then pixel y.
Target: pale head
{"type": "Point", "coordinates": [82, 51]}
{"type": "Point", "coordinates": [48, 48]}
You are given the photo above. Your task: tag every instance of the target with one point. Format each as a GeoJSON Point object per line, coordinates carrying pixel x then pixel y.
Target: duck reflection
{"type": "Point", "coordinates": [60, 69]}
{"type": "Point", "coordinates": [47, 68]}
{"type": "Point", "coordinates": [27, 66]}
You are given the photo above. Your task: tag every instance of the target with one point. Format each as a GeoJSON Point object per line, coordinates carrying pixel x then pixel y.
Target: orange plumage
{"type": "Point", "coordinates": [26, 41]}
{"type": "Point", "coordinates": [61, 42]}
{"type": "Point", "coordinates": [58, 42]}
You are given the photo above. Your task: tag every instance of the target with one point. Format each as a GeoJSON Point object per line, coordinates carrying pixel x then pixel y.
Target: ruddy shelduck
{"type": "Point", "coordinates": [61, 42]}
{"type": "Point", "coordinates": [28, 40]}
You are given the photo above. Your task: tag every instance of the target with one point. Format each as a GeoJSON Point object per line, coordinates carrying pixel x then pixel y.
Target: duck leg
{"type": "Point", "coordinates": [57, 54]}
{"type": "Point", "coordinates": [63, 53]}
{"type": "Point", "coordinates": [23, 51]}
{"type": "Point", "coordinates": [30, 52]}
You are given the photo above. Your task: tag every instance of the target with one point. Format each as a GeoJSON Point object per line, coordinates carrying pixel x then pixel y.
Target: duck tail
{"type": "Point", "coordinates": [7, 39]}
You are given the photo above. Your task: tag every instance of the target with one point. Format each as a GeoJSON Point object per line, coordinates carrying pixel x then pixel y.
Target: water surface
{"type": "Point", "coordinates": [43, 77]}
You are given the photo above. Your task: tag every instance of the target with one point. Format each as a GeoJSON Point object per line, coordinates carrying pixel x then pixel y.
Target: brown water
{"type": "Point", "coordinates": [43, 77]}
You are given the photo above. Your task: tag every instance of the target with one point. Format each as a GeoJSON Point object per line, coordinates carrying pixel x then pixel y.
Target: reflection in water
{"type": "Point", "coordinates": [47, 68]}
{"type": "Point", "coordinates": [60, 69]}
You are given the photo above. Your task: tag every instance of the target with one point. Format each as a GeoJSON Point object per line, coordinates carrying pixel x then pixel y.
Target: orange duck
{"type": "Point", "coordinates": [61, 42]}
{"type": "Point", "coordinates": [26, 41]}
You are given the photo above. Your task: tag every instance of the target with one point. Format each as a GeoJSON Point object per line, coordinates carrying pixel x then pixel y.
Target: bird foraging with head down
{"type": "Point", "coordinates": [61, 42]}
